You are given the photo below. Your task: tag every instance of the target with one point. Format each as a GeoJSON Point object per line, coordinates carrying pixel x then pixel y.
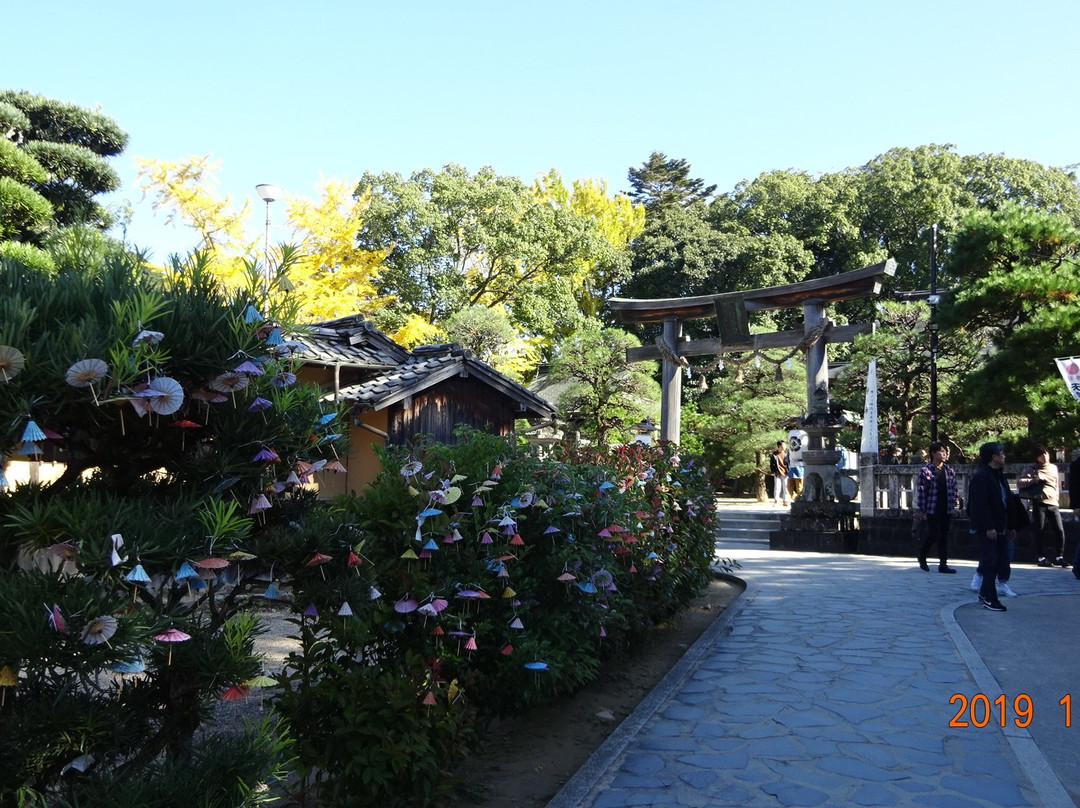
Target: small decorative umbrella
{"type": "Point", "coordinates": [252, 315]}
{"type": "Point", "coordinates": [318, 560]}
{"type": "Point", "coordinates": [99, 630]}
{"type": "Point", "coordinates": [249, 368]}
{"type": "Point", "coordinates": [284, 379]}
{"type": "Point", "coordinates": [163, 395]}
{"type": "Point", "coordinates": [147, 337]}
{"type": "Point", "coordinates": [11, 362]}
{"type": "Point", "coordinates": [234, 693]}
{"type": "Point", "coordinates": [259, 504]}
{"type": "Point", "coordinates": [170, 636]}
{"type": "Point", "coordinates": [137, 576]}
{"type": "Point", "coordinates": [85, 373]}
{"type": "Point", "coordinates": [7, 679]}
{"type": "Point", "coordinates": [267, 455]}
{"type": "Point", "coordinates": [183, 425]}
{"type": "Point", "coordinates": [229, 382]}
{"type": "Point", "coordinates": [345, 612]}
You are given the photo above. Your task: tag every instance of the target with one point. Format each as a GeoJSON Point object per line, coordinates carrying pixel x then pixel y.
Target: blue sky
{"type": "Point", "coordinates": [286, 92]}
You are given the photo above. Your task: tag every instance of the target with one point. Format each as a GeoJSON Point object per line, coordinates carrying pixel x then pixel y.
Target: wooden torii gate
{"type": "Point", "coordinates": [731, 310]}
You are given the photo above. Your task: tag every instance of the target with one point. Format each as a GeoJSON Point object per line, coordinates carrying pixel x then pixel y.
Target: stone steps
{"type": "Point", "coordinates": [746, 528]}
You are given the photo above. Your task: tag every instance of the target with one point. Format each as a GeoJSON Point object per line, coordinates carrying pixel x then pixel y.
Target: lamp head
{"type": "Point", "coordinates": [268, 193]}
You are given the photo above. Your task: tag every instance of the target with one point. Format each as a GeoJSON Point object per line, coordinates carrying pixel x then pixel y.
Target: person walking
{"type": "Point", "coordinates": [778, 468]}
{"type": "Point", "coordinates": [935, 499]}
{"type": "Point", "coordinates": [988, 494]}
{"type": "Point", "coordinates": [1039, 483]}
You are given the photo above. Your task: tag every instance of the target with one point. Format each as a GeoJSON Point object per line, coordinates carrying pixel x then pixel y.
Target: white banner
{"type": "Point", "coordinates": [869, 443]}
{"type": "Point", "coordinates": [1070, 372]}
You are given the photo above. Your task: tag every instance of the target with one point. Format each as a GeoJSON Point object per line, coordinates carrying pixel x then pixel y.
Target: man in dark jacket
{"type": "Point", "coordinates": [988, 494]}
{"type": "Point", "coordinates": [1074, 503]}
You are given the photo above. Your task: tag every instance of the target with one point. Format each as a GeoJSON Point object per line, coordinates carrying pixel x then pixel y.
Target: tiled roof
{"type": "Point", "coordinates": [350, 341]}
{"type": "Point", "coordinates": [398, 373]}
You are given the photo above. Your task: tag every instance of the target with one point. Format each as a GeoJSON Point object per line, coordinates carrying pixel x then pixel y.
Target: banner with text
{"type": "Point", "coordinates": [1070, 372]}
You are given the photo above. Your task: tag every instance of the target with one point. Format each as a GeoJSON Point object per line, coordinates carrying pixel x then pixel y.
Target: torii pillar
{"type": "Point", "coordinates": [671, 386]}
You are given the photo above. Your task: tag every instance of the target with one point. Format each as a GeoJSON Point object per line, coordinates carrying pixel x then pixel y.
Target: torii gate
{"type": "Point", "coordinates": [731, 310]}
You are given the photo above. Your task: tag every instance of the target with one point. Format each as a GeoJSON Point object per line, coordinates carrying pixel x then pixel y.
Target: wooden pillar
{"type": "Point", "coordinates": [671, 393]}
{"type": "Point", "coordinates": [817, 362]}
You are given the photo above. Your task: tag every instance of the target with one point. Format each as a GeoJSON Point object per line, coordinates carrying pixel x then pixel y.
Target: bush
{"type": "Point", "coordinates": [478, 580]}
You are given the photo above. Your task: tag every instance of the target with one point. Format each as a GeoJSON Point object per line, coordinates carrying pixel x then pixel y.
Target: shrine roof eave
{"type": "Point", "coordinates": [831, 289]}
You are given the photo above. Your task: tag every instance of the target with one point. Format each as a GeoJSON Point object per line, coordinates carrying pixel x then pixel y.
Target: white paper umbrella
{"type": "Point", "coordinates": [164, 395]}
{"type": "Point", "coordinates": [11, 362]}
{"type": "Point", "coordinates": [85, 372]}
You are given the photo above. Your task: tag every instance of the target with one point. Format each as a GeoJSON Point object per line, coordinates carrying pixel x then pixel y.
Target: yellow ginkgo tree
{"type": "Point", "coordinates": [326, 275]}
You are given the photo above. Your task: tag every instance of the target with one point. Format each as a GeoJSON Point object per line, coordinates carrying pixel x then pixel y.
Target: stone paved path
{"type": "Point", "coordinates": [829, 683]}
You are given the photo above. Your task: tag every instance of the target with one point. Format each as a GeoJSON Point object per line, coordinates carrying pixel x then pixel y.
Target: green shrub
{"type": "Point", "coordinates": [485, 581]}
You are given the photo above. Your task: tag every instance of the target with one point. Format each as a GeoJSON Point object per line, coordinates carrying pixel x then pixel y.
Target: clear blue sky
{"type": "Point", "coordinates": [286, 92]}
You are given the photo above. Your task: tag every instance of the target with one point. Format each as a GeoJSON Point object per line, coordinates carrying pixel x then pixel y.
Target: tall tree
{"type": "Point", "coordinates": [661, 181]}
{"type": "Point", "coordinates": [460, 239]}
{"type": "Point", "coordinates": [53, 166]}
{"type": "Point", "coordinates": [1019, 280]}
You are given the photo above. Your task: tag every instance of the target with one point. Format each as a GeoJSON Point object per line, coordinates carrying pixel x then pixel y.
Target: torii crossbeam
{"type": "Point", "coordinates": [731, 310]}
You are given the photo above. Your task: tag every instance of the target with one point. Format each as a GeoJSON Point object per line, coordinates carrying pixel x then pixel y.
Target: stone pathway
{"type": "Point", "coordinates": [828, 683]}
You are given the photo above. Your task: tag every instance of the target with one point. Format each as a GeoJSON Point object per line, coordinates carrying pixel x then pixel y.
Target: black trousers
{"type": "Point", "coordinates": [937, 530]}
{"type": "Point", "coordinates": [1047, 519]}
{"type": "Point", "coordinates": [993, 563]}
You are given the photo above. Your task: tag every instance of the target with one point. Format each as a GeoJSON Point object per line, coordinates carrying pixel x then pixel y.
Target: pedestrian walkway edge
{"type": "Point", "coordinates": [578, 787]}
{"type": "Point", "coordinates": [1031, 759]}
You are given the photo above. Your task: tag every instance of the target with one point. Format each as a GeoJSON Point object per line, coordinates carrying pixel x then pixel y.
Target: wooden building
{"type": "Point", "coordinates": [394, 395]}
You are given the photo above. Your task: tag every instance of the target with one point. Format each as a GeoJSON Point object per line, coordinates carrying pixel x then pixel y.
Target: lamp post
{"type": "Point", "coordinates": [268, 193]}
{"type": "Point", "coordinates": [933, 300]}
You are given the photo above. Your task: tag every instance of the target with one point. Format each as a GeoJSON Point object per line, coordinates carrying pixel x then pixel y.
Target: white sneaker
{"type": "Point", "coordinates": [976, 582]}
{"type": "Point", "coordinates": [1004, 589]}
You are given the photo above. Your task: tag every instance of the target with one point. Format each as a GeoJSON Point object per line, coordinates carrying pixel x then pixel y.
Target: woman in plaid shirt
{"type": "Point", "coordinates": [935, 500]}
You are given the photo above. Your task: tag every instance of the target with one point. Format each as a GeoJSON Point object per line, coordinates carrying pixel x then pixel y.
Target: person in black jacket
{"type": "Point", "coordinates": [1074, 503]}
{"type": "Point", "coordinates": [988, 494]}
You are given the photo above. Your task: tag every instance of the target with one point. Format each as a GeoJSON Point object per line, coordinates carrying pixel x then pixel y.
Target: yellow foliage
{"type": "Point", "coordinates": [331, 276]}
{"type": "Point", "coordinates": [183, 189]}
{"type": "Point", "coordinates": [327, 275]}
{"type": "Point", "coordinates": [417, 331]}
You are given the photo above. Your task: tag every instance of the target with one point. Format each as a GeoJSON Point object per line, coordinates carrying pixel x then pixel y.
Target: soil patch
{"type": "Point", "coordinates": [524, 761]}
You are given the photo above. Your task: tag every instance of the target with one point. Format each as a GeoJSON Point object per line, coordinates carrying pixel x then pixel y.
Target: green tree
{"type": "Point", "coordinates": [742, 415]}
{"type": "Point", "coordinates": [1019, 279]}
{"type": "Point", "coordinates": [461, 239]}
{"type": "Point", "coordinates": [53, 165]}
{"type": "Point", "coordinates": [606, 394]}
{"type": "Point", "coordinates": [178, 423]}
{"type": "Point", "coordinates": [900, 344]}
{"type": "Point", "coordinates": [662, 181]}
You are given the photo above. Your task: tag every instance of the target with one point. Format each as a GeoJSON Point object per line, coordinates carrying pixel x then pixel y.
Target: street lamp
{"type": "Point", "coordinates": [268, 193]}
{"type": "Point", "coordinates": [933, 300]}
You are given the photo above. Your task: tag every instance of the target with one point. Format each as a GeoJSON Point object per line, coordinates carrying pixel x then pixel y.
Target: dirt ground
{"type": "Point", "coordinates": [525, 761]}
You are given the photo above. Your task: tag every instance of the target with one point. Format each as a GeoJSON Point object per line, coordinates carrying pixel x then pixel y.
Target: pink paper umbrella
{"type": "Point", "coordinates": [170, 636]}
{"type": "Point", "coordinates": [208, 567]}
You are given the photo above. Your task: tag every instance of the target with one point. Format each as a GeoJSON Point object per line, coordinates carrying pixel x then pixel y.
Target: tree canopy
{"type": "Point", "coordinates": [53, 167]}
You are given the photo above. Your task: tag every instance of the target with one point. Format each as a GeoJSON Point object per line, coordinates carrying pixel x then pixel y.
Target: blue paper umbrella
{"type": "Point", "coordinates": [32, 432]}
